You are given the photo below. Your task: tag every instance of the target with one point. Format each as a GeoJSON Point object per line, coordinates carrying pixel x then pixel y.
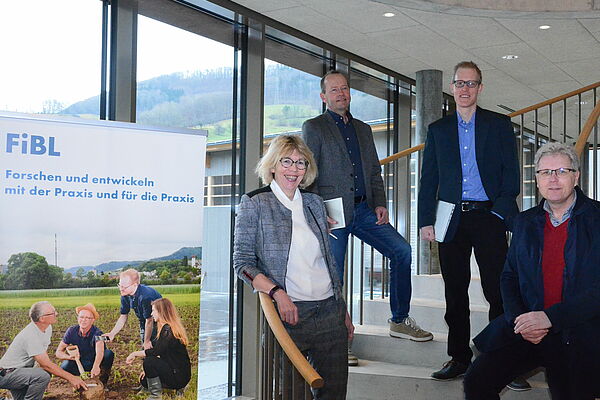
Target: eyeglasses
{"type": "Point", "coordinates": [287, 162]}
{"type": "Point", "coordinates": [470, 84]}
{"type": "Point", "coordinates": [123, 287]}
{"type": "Point", "coordinates": [559, 172]}
{"type": "Point", "coordinates": [52, 313]}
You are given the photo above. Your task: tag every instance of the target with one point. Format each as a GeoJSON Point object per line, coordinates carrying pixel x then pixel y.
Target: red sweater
{"type": "Point", "coordinates": [553, 261]}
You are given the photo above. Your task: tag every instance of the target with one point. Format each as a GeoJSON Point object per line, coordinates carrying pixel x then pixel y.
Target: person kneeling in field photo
{"type": "Point", "coordinates": [92, 352]}
{"type": "Point", "coordinates": [167, 364]}
{"type": "Point", "coordinates": [17, 371]}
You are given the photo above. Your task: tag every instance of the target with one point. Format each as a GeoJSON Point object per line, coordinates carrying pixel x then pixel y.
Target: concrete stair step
{"type": "Point", "coordinates": [383, 381]}
{"type": "Point", "coordinates": [432, 287]}
{"type": "Point", "coordinates": [428, 313]}
{"type": "Point", "coordinates": [373, 342]}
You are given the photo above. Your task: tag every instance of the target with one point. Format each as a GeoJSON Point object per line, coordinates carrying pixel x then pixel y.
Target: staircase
{"type": "Point", "coordinates": [391, 368]}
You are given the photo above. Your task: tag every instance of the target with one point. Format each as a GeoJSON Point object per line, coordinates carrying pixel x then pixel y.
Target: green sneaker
{"type": "Point", "coordinates": [408, 329]}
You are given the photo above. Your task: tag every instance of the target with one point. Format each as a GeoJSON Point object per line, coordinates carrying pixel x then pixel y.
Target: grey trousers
{"type": "Point", "coordinates": [322, 336]}
{"type": "Point", "coordinates": [26, 383]}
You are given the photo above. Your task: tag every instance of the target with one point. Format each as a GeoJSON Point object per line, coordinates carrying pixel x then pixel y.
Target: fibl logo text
{"type": "Point", "coordinates": [31, 144]}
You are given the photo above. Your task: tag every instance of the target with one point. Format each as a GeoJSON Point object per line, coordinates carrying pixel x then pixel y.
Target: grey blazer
{"type": "Point", "coordinates": [336, 177]}
{"type": "Point", "coordinates": [263, 235]}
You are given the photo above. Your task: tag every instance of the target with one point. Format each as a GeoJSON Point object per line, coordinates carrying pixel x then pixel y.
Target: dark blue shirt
{"type": "Point", "coordinates": [140, 302]}
{"type": "Point", "coordinates": [472, 188]}
{"type": "Point", "coordinates": [86, 344]}
{"type": "Point", "coordinates": [349, 136]}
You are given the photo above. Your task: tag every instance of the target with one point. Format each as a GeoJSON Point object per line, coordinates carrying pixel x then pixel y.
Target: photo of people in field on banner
{"type": "Point", "coordinates": [100, 259]}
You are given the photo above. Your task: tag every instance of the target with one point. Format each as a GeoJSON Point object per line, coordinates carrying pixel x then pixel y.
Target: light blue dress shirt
{"type": "Point", "coordinates": [472, 188]}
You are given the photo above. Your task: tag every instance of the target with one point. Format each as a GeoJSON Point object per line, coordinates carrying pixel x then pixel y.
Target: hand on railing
{"type": "Point", "coordinates": [287, 309]}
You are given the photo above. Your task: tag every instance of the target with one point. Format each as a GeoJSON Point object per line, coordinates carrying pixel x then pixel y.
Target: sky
{"type": "Point", "coordinates": [54, 52]}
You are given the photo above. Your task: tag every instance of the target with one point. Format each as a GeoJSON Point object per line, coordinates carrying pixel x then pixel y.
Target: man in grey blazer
{"type": "Point", "coordinates": [349, 168]}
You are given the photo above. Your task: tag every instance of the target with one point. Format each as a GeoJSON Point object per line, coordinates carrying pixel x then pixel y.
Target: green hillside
{"type": "Point", "coordinates": [203, 100]}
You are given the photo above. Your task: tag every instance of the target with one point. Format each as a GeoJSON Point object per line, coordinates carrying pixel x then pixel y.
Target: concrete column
{"type": "Point", "coordinates": [429, 109]}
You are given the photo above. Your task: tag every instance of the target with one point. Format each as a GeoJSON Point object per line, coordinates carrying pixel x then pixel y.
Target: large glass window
{"type": "Point", "coordinates": [190, 85]}
{"type": "Point", "coordinates": [291, 97]}
{"type": "Point", "coordinates": [51, 57]}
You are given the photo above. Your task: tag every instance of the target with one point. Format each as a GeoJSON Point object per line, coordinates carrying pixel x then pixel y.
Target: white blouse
{"type": "Point", "coordinates": [307, 277]}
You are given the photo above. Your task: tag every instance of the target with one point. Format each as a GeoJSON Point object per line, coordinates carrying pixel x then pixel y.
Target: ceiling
{"type": "Point", "coordinates": [437, 34]}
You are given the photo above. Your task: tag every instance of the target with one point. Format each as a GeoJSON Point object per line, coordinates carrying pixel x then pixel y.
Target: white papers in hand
{"type": "Point", "coordinates": [443, 216]}
{"type": "Point", "coordinates": [335, 210]}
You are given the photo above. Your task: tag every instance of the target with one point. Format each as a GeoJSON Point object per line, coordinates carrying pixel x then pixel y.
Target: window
{"type": "Point", "coordinates": [53, 69]}
{"type": "Point", "coordinates": [291, 97]}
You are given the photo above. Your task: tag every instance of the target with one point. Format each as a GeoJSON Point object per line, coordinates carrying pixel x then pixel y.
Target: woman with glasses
{"type": "Point", "coordinates": [167, 364]}
{"type": "Point", "coordinates": [91, 350]}
{"type": "Point", "coordinates": [281, 248]}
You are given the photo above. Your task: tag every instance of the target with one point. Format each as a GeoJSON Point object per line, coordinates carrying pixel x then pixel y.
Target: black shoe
{"type": "Point", "coordinates": [519, 385]}
{"type": "Point", "coordinates": [451, 370]}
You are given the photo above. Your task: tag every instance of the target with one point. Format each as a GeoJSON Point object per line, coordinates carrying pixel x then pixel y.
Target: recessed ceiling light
{"type": "Point", "coordinates": [389, 15]}
{"type": "Point", "coordinates": [510, 57]}
{"type": "Point", "coordinates": [544, 27]}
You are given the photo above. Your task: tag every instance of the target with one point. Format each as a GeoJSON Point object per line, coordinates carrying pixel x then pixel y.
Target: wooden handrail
{"type": "Point", "coordinates": [554, 100]}
{"type": "Point", "coordinates": [587, 129]}
{"type": "Point", "coordinates": [287, 344]}
{"type": "Point", "coordinates": [401, 154]}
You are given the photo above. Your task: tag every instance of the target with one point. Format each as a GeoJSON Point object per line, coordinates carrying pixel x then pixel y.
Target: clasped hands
{"type": "Point", "coordinates": [533, 326]}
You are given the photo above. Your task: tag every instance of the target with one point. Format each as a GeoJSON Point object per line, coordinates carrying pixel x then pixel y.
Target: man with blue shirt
{"type": "Point", "coordinates": [139, 298]}
{"type": "Point", "coordinates": [470, 160]}
{"type": "Point", "coordinates": [349, 169]}
{"type": "Point", "coordinates": [93, 354]}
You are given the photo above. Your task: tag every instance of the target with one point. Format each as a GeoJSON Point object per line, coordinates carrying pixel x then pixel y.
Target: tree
{"type": "Point", "coordinates": [80, 273]}
{"type": "Point", "coordinates": [31, 271]}
{"type": "Point", "coordinates": [165, 277]}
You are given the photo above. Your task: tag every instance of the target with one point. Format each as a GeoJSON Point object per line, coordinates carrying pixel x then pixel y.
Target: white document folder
{"type": "Point", "coordinates": [335, 210]}
{"type": "Point", "coordinates": [443, 216]}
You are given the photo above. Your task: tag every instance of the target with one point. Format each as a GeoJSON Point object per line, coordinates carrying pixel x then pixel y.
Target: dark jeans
{"type": "Point", "coordinates": [169, 378]}
{"type": "Point", "coordinates": [386, 240]}
{"type": "Point", "coordinates": [322, 336]}
{"type": "Point", "coordinates": [485, 233]}
{"type": "Point", "coordinates": [71, 366]}
{"type": "Point", "coordinates": [490, 372]}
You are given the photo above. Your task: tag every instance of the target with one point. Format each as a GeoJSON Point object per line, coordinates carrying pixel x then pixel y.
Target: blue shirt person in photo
{"type": "Point", "coordinates": [139, 298]}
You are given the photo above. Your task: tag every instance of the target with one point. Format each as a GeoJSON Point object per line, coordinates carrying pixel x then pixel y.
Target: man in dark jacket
{"type": "Point", "coordinates": [470, 160]}
{"type": "Point", "coordinates": [550, 289]}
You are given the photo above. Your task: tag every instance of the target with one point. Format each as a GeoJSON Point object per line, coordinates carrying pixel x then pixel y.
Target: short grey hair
{"type": "Point", "coordinates": [557, 148]}
{"type": "Point", "coordinates": [36, 310]}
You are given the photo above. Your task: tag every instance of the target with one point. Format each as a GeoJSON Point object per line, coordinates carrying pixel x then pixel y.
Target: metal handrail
{"type": "Point", "coordinates": [300, 362]}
